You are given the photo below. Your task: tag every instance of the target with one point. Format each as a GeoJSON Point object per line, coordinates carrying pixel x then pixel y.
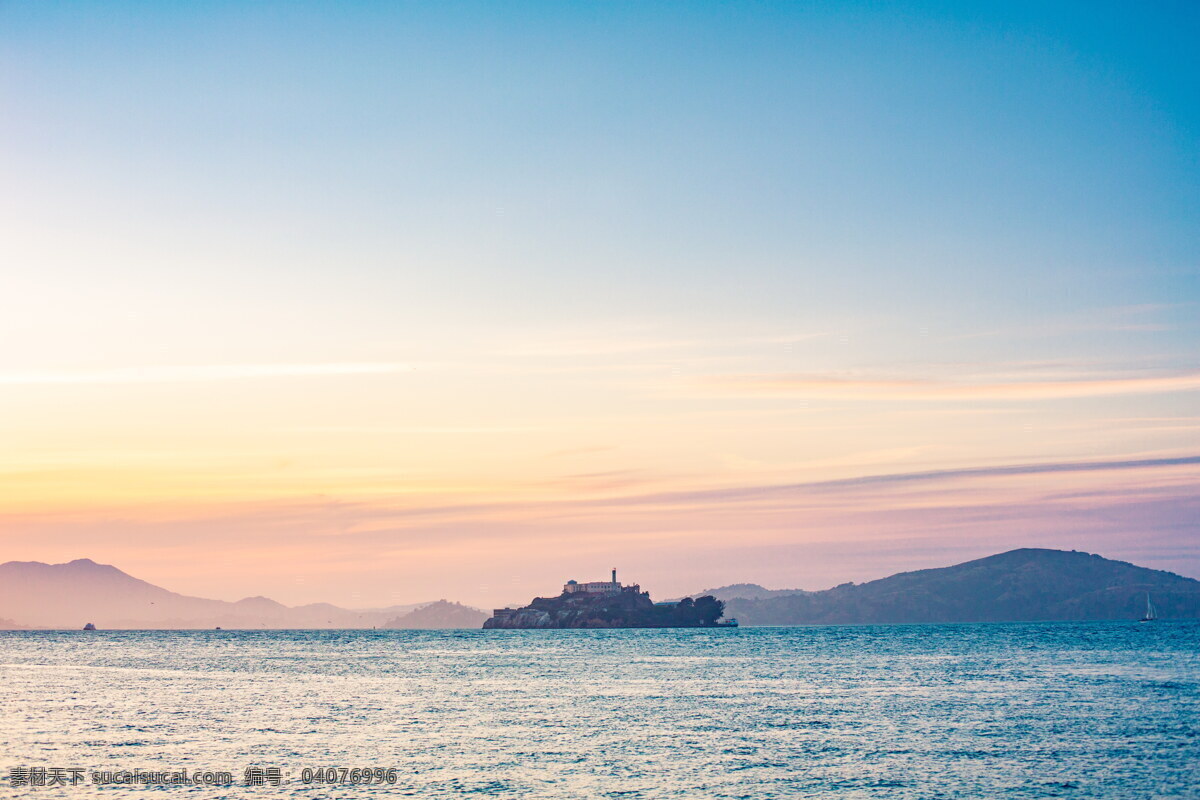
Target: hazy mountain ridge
{"type": "Point", "coordinates": [37, 595]}
{"type": "Point", "coordinates": [744, 591]}
{"type": "Point", "coordinates": [1020, 585]}
{"type": "Point", "coordinates": [442, 614]}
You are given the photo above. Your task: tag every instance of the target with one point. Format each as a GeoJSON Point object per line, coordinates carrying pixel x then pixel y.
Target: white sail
{"type": "Point", "coordinates": [1151, 613]}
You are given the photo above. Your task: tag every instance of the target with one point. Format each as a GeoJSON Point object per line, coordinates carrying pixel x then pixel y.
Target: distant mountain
{"type": "Point", "coordinates": [745, 591]}
{"type": "Point", "coordinates": [1020, 585]}
{"type": "Point", "coordinates": [1028, 584]}
{"type": "Point", "coordinates": [442, 614]}
{"type": "Point", "coordinates": [66, 596]}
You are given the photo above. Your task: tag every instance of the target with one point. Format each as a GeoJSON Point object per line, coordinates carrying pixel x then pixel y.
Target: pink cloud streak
{"type": "Point", "coordinates": [800, 385]}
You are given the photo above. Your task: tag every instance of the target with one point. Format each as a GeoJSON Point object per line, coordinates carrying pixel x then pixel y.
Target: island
{"type": "Point", "coordinates": [608, 604]}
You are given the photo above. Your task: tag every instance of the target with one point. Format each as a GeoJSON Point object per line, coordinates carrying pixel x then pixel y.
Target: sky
{"type": "Point", "coordinates": [377, 303]}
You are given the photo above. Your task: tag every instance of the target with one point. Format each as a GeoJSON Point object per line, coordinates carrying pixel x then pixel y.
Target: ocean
{"type": "Point", "coordinates": [1083, 710]}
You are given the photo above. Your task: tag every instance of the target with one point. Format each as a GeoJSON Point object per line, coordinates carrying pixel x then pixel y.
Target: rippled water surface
{"type": "Point", "coordinates": [1108, 710]}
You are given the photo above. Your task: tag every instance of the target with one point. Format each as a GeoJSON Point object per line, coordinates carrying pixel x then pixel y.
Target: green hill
{"type": "Point", "coordinates": [1020, 585]}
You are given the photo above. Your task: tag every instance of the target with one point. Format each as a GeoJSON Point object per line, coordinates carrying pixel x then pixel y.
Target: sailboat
{"type": "Point", "coordinates": [1151, 612]}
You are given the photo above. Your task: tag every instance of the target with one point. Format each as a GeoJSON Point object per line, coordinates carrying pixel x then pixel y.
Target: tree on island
{"type": "Point", "coordinates": [702, 612]}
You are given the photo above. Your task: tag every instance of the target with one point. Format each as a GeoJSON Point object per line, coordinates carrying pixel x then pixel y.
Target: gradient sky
{"type": "Point", "coordinates": [375, 303]}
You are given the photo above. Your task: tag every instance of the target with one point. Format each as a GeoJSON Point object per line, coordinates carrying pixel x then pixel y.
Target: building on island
{"type": "Point", "coordinates": [503, 613]}
{"type": "Point", "coordinates": [600, 587]}
{"type": "Point", "coordinates": [575, 587]}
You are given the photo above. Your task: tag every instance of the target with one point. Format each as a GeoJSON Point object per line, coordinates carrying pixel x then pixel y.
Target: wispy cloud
{"type": "Point", "coordinates": [800, 385]}
{"type": "Point", "coordinates": [804, 534]}
{"type": "Point", "coordinates": [202, 372]}
{"type": "Point", "coordinates": [751, 492]}
{"type": "Point", "coordinates": [726, 496]}
{"type": "Point", "coordinates": [1142, 317]}
{"type": "Point", "coordinates": [580, 451]}
{"type": "Point", "coordinates": [587, 346]}
{"type": "Point", "coordinates": [387, 430]}
{"type": "Point", "coordinates": [1014, 469]}
{"type": "Point", "coordinates": [570, 348]}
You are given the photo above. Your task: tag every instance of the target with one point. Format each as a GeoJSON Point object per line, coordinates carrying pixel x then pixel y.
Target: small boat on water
{"type": "Point", "coordinates": [728, 623]}
{"type": "Point", "coordinates": [1151, 611]}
